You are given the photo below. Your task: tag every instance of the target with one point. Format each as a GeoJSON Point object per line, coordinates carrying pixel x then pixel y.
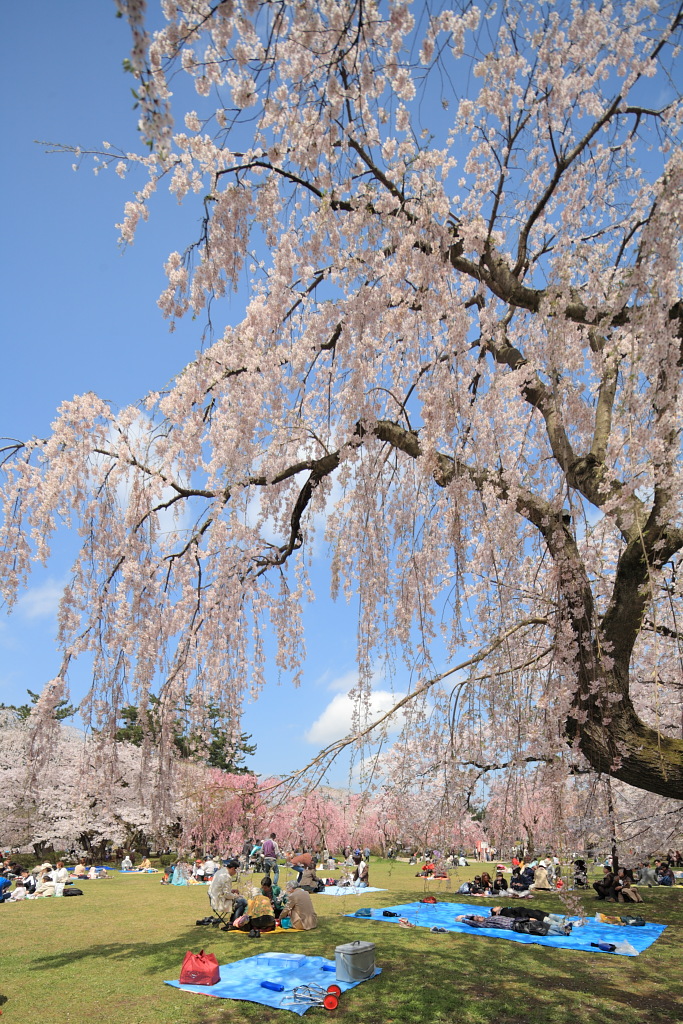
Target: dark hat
{"type": "Point", "coordinates": [234, 863]}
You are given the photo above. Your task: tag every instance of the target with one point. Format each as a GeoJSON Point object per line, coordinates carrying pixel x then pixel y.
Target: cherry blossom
{"type": "Point", "coordinates": [461, 354]}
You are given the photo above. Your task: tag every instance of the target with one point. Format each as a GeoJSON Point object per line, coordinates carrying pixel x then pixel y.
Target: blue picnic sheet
{"type": "Point", "coordinates": [242, 980]}
{"type": "Point", "coordinates": [442, 915]}
{"type": "Point", "coordinates": [346, 890]}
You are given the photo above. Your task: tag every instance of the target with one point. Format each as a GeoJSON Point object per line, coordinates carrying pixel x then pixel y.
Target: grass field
{"type": "Point", "coordinates": [102, 959]}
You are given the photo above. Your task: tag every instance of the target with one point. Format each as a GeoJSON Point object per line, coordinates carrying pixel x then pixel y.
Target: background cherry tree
{"type": "Point", "coordinates": [461, 354]}
{"type": "Point", "coordinates": [78, 798]}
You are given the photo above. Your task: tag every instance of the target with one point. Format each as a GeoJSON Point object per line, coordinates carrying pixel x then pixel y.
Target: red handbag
{"type": "Point", "coordinates": [199, 969]}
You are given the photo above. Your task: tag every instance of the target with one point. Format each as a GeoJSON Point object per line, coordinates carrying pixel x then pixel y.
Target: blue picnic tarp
{"type": "Point", "coordinates": [442, 915]}
{"type": "Point", "coordinates": [242, 980]}
{"type": "Point", "coordinates": [347, 890]}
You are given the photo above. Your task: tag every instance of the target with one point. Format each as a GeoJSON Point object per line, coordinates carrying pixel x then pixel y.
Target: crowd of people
{"type": "Point", "coordinates": [289, 908]}
{"type": "Point", "coordinates": [262, 908]}
{"type": "Point", "coordinates": [620, 886]}
{"type": "Point", "coordinates": [43, 880]}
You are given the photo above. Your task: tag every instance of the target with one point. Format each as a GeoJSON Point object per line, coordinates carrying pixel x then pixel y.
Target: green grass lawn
{"type": "Point", "coordinates": [102, 959]}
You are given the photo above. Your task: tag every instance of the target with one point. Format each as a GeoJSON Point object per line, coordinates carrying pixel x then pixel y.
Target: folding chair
{"type": "Point", "coordinates": [221, 898]}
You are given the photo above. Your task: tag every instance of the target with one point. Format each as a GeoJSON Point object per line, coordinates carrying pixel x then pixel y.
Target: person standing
{"type": "Point", "coordinates": [271, 852]}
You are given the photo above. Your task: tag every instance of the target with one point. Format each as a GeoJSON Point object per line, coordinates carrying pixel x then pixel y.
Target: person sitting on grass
{"type": "Point", "coordinates": [20, 892]}
{"type": "Point", "coordinates": [517, 883]}
{"type": "Point", "coordinates": [486, 882]}
{"type": "Point", "coordinates": [310, 881]}
{"type": "Point", "coordinates": [647, 875]}
{"type": "Point", "coordinates": [604, 887]}
{"type": "Point", "coordinates": [528, 875]}
{"type": "Point", "coordinates": [258, 917]}
{"type": "Point", "coordinates": [5, 886]}
{"type": "Point", "coordinates": [428, 870]}
{"type": "Point", "coordinates": [62, 873]}
{"type": "Point", "coordinates": [126, 864]}
{"type": "Point", "coordinates": [361, 876]}
{"type": "Point", "coordinates": [499, 883]}
{"type": "Point", "coordinates": [299, 908]}
{"type": "Point", "coordinates": [81, 870]}
{"type": "Point", "coordinates": [46, 885]}
{"type": "Point", "coordinates": [29, 881]}
{"type": "Point", "coordinates": [541, 880]}
{"type": "Point", "coordinates": [624, 890]}
{"type": "Point", "coordinates": [145, 865]}
{"type": "Point", "coordinates": [274, 893]}
{"type": "Point", "coordinates": [666, 875]}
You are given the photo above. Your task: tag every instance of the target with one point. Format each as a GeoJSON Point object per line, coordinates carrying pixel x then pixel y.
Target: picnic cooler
{"type": "Point", "coordinates": [355, 961]}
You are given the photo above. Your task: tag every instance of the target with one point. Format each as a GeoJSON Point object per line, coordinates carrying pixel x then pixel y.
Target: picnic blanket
{"type": "Point", "coordinates": [346, 890]}
{"type": "Point", "coordinates": [442, 915]}
{"type": "Point", "coordinates": [242, 980]}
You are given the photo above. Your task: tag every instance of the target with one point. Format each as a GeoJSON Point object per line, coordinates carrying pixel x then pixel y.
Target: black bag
{"type": "Point", "coordinates": [531, 927]}
{"type": "Point", "coordinates": [72, 891]}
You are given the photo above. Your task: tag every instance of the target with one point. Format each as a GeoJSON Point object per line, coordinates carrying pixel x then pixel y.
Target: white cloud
{"type": "Point", "coordinates": [41, 602]}
{"type": "Point", "coordinates": [336, 720]}
{"type": "Point", "coordinates": [342, 684]}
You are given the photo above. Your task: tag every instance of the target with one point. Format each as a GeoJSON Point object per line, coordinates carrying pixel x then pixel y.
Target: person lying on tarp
{"type": "Point", "coordinates": [528, 925]}
{"type": "Point", "coordinates": [558, 922]}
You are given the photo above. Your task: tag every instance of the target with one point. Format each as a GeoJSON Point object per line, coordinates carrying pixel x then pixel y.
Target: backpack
{"type": "Point", "coordinates": [70, 890]}
{"type": "Point", "coordinates": [363, 912]}
{"type": "Point", "coordinates": [632, 919]}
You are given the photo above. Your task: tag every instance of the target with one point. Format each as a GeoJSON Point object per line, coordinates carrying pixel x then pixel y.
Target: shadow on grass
{"type": "Point", "coordinates": [164, 956]}
{"type": "Point", "coordinates": [426, 979]}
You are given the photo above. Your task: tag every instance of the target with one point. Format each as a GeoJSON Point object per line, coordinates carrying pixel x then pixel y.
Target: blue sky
{"type": "Point", "coordinates": [78, 314]}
